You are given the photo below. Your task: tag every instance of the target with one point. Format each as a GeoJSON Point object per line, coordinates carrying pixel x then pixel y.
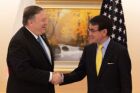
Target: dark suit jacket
{"type": "Point", "coordinates": [29, 67]}
{"type": "Point", "coordinates": [114, 75]}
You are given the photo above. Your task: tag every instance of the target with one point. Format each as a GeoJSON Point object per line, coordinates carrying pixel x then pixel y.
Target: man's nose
{"type": "Point", "coordinates": [89, 33]}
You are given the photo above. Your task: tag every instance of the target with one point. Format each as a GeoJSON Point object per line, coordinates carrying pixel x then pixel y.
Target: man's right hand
{"type": "Point", "coordinates": [57, 78]}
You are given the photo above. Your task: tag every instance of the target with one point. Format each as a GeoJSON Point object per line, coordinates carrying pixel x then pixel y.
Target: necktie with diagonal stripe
{"type": "Point", "coordinates": [41, 43]}
{"type": "Point", "coordinates": [99, 56]}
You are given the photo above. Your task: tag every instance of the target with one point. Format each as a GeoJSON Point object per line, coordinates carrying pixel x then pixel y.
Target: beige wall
{"type": "Point", "coordinates": [132, 17]}
{"type": "Point", "coordinates": [7, 18]}
{"type": "Point", "coordinates": [10, 21]}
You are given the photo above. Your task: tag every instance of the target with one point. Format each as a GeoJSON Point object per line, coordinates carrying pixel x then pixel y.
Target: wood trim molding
{"type": "Point", "coordinates": [69, 3]}
{"type": "Point", "coordinates": [70, 0]}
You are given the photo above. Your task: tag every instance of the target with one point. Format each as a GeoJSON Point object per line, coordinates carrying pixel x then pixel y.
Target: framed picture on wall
{"type": "Point", "coordinates": [67, 31]}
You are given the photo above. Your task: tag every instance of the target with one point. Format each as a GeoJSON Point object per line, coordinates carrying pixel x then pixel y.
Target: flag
{"type": "Point", "coordinates": [114, 11]}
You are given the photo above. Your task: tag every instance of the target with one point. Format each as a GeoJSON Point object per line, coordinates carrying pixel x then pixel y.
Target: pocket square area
{"type": "Point", "coordinates": [110, 63]}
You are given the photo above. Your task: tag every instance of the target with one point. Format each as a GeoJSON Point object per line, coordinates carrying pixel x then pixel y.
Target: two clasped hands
{"type": "Point", "coordinates": [57, 78]}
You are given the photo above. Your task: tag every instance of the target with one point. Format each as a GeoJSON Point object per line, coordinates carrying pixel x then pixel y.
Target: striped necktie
{"type": "Point", "coordinates": [41, 43]}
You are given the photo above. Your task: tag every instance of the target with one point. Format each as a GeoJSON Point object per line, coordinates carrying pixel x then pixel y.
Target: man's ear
{"type": "Point", "coordinates": [104, 32]}
{"type": "Point", "coordinates": [30, 21]}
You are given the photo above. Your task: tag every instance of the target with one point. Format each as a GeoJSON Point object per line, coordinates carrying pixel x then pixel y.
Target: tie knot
{"type": "Point", "coordinates": [100, 46]}
{"type": "Point", "coordinates": [38, 39]}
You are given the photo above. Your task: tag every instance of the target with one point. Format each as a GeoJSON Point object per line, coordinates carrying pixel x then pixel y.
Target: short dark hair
{"type": "Point", "coordinates": [103, 22]}
{"type": "Point", "coordinates": [30, 12]}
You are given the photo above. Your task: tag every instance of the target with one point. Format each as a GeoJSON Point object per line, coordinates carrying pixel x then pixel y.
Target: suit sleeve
{"type": "Point", "coordinates": [18, 60]}
{"type": "Point", "coordinates": [125, 71]}
{"type": "Point", "coordinates": [79, 73]}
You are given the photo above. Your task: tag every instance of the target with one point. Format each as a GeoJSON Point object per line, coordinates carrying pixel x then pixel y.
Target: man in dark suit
{"type": "Point", "coordinates": [30, 59]}
{"type": "Point", "coordinates": [108, 69]}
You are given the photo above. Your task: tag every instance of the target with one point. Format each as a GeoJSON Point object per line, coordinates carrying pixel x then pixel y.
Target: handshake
{"type": "Point", "coordinates": [57, 78]}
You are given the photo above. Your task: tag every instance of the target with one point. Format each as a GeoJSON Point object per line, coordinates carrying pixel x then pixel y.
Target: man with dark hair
{"type": "Point", "coordinates": [105, 63]}
{"type": "Point", "coordinates": [30, 59]}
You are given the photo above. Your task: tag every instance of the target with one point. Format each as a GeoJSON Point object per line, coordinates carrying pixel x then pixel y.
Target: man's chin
{"type": "Point", "coordinates": [91, 41]}
{"type": "Point", "coordinates": [43, 32]}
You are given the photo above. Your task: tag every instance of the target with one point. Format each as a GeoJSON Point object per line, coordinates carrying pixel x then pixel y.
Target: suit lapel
{"type": "Point", "coordinates": [34, 42]}
{"type": "Point", "coordinates": [92, 56]}
{"type": "Point", "coordinates": [106, 59]}
{"type": "Point", "coordinates": [47, 43]}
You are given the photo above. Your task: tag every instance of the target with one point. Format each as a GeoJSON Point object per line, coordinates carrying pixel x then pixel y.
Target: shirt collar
{"type": "Point", "coordinates": [105, 44]}
{"type": "Point", "coordinates": [32, 32]}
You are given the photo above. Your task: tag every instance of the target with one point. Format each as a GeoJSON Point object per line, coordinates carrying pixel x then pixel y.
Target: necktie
{"type": "Point", "coordinates": [41, 43]}
{"type": "Point", "coordinates": [99, 56]}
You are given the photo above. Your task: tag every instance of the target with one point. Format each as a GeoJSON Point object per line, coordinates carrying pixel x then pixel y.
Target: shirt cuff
{"type": "Point", "coordinates": [50, 78]}
{"type": "Point", "coordinates": [62, 78]}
